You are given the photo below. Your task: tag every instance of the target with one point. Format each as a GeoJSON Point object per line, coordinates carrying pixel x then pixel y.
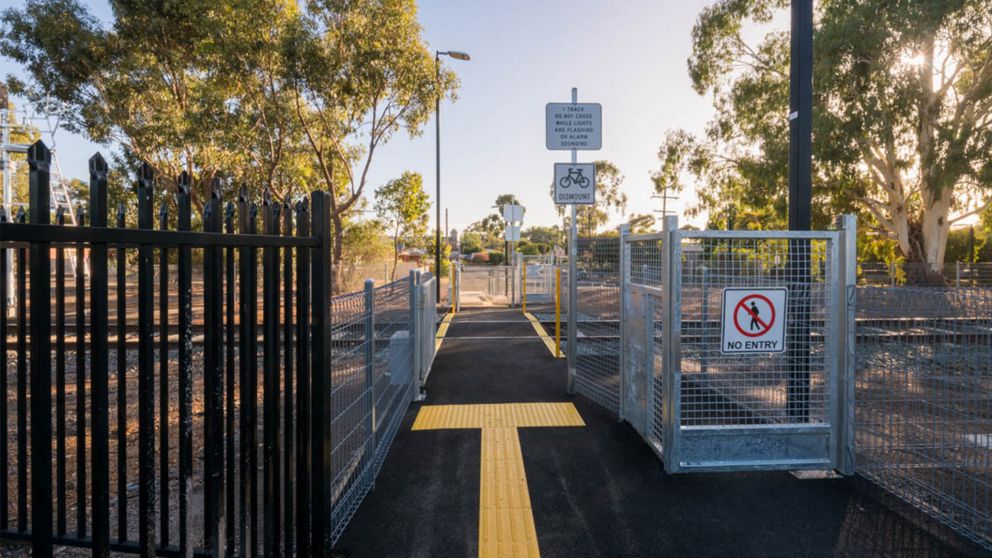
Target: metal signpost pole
{"type": "Point", "coordinates": [573, 289]}
{"type": "Point", "coordinates": [800, 193]}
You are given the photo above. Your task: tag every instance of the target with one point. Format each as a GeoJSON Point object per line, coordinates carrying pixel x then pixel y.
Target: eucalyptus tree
{"type": "Point", "coordinates": [360, 72]}
{"type": "Point", "coordinates": [902, 116]}
{"type": "Point", "coordinates": [403, 205]}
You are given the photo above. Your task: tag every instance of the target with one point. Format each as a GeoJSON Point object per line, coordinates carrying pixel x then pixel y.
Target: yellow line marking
{"type": "Point", "coordinates": [506, 520]}
{"type": "Point", "coordinates": [549, 341]}
{"type": "Point", "coordinates": [442, 330]}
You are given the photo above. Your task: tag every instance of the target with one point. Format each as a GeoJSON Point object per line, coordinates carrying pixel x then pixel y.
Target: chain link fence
{"type": "Point", "coordinates": [924, 401]}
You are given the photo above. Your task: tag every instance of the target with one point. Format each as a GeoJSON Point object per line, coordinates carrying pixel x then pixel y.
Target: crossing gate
{"type": "Point", "coordinates": [704, 405]}
{"type": "Point", "coordinates": [537, 275]}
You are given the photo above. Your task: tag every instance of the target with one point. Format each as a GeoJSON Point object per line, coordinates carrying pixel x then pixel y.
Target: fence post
{"type": "Point", "coordinates": [670, 331]}
{"type": "Point", "coordinates": [416, 331]}
{"type": "Point", "coordinates": [845, 315]}
{"type": "Point", "coordinates": [623, 258]}
{"type": "Point", "coordinates": [320, 270]}
{"type": "Point", "coordinates": [303, 397]}
{"type": "Point", "coordinates": [213, 383]}
{"type": "Point", "coordinates": [523, 286]}
{"type": "Point", "coordinates": [185, 298]}
{"type": "Point", "coordinates": [39, 159]}
{"type": "Point", "coordinates": [704, 364]}
{"type": "Point", "coordinates": [146, 370]}
{"type": "Point", "coordinates": [458, 285]}
{"type": "Point", "coordinates": [558, 311]}
{"type": "Point", "coordinates": [270, 370]}
{"type": "Point", "coordinates": [571, 349]}
{"type": "Point", "coordinates": [370, 418]}
{"type": "Point", "coordinates": [99, 368]}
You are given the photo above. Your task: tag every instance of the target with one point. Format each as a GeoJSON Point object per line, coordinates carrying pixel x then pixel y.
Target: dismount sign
{"type": "Point", "coordinates": [575, 184]}
{"type": "Point", "coordinates": [753, 320]}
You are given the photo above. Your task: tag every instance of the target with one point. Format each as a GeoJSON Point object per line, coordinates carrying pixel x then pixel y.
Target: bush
{"type": "Point", "coordinates": [496, 258]}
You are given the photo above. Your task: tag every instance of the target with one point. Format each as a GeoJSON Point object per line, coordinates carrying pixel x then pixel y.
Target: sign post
{"type": "Point", "coordinates": [573, 126]}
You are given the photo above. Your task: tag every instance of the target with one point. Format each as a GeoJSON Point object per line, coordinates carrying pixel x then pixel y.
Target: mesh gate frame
{"type": "Point", "coordinates": [712, 448]}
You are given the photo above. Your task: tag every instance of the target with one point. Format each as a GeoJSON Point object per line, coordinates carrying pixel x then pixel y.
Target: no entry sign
{"type": "Point", "coordinates": [753, 320]}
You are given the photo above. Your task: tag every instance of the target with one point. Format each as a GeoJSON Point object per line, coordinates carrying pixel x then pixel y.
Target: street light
{"type": "Point", "coordinates": [437, 121]}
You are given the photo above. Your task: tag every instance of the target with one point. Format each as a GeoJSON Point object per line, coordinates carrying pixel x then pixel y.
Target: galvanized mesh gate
{"type": "Point", "coordinates": [663, 369]}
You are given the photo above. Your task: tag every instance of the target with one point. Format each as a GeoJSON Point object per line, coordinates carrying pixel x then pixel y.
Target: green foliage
{"type": "Point", "coordinates": [641, 223]}
{"type": "Point", "coordinates": [530, 249]}
{"type": "Point", "coordinates": [471, 243]}
{"type": "Point", "coordinates": [402, 206]}
{"type": "Point", "coordinates": [277, 95]}
{"type": "Point", "coordinates": [548, 236]}
{"type": "Point", "coordinates": [445, 256]}
{"type": "Point", "coordinates": [496, 258]}
{"type": "Point", "coordinates": [364, 243]}
{"type": "Point", "coordinates": [902, 117]}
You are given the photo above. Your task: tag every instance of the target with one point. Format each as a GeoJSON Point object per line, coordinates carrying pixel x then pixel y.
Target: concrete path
{"type": "Point", "coordinates": [588, 486]}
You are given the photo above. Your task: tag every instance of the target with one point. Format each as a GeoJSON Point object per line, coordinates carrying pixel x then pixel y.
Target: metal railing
{"type": "Point", "coordinates": [951, 274]}
{"type": "Point", "coordinates": [181, 350]}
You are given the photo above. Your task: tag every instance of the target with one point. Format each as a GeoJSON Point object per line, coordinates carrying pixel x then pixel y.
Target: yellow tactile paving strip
{"type": "Point", "coordinates": [548, 340]}
{"type": "Point", "coordinates": [497, 415]}
{"type": "Point", "coordinates": [506, 520]}
{"type": "Point", "coordinates": [442, 330]}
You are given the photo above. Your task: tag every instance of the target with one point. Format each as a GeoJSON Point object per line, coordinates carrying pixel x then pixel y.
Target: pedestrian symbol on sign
{"type": "Point", "coordinates": [751, 322]}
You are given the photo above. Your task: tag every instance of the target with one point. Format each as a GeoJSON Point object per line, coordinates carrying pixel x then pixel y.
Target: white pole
{"type": "Point", "coordinates": [573, 289]}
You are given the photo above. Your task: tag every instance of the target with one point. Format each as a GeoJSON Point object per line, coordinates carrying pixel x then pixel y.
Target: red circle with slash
{"type": "Point", "coordinates": [765, 326]}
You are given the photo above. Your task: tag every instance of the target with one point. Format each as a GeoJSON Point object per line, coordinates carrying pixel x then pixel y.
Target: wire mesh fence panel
{"type": "Point", "coordinates": [645, 270]}
{"type": "Point", "coordinates": [597, 350]}
{"type": "Point", "coordinates": [924, 400]}
{"type": "Point", "coordinates": [393, 364]}
{"type": "Point", "coordinates": [352, 453]}
{"type": "Point", "coordinates": [721, 389]}
{"type": "Point", "coordinates": [426, 326]}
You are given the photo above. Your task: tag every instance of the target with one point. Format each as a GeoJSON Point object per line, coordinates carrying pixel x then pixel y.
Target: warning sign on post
{"type": "Point", "coordinates": [753, 320]}
{"type": "Point", "coordinates": [573, 126]}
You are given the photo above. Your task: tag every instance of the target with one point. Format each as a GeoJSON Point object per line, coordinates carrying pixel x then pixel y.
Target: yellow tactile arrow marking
{"type": "Point", "coordinates": [506, 521]}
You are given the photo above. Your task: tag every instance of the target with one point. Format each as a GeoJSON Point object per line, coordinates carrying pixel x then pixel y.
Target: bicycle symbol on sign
{"type": "Point", "coordinates": [574, 176]}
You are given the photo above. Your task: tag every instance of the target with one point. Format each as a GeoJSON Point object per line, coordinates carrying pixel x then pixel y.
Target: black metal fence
{"type": "Point", "coordinates": [196, 452]}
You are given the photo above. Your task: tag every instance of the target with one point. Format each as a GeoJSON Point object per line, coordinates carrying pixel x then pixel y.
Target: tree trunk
{"type": "Point", "coordinates": [935, 230]}
{"type": "Point", "coordinates": [936, 202]}
{"type": "Point", "coordinates": [337, 255]}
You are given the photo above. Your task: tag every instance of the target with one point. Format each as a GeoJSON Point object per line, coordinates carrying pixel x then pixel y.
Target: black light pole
{"type": "Point", "coordinates": [800, 202]}
{"type": "Point", "coordinates": [801, 116]}
{"type": "Point", "coordinates": [437, 123]}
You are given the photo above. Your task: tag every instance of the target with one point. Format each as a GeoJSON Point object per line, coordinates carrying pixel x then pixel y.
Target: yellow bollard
{"type": "Point", "coordinates": [558, 311]}
{"type": "Point", "coordinates": [523, 284]}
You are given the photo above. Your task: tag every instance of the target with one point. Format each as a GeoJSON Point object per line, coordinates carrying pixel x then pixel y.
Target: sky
{"type": "Point", "coordinates": [628, 56]}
